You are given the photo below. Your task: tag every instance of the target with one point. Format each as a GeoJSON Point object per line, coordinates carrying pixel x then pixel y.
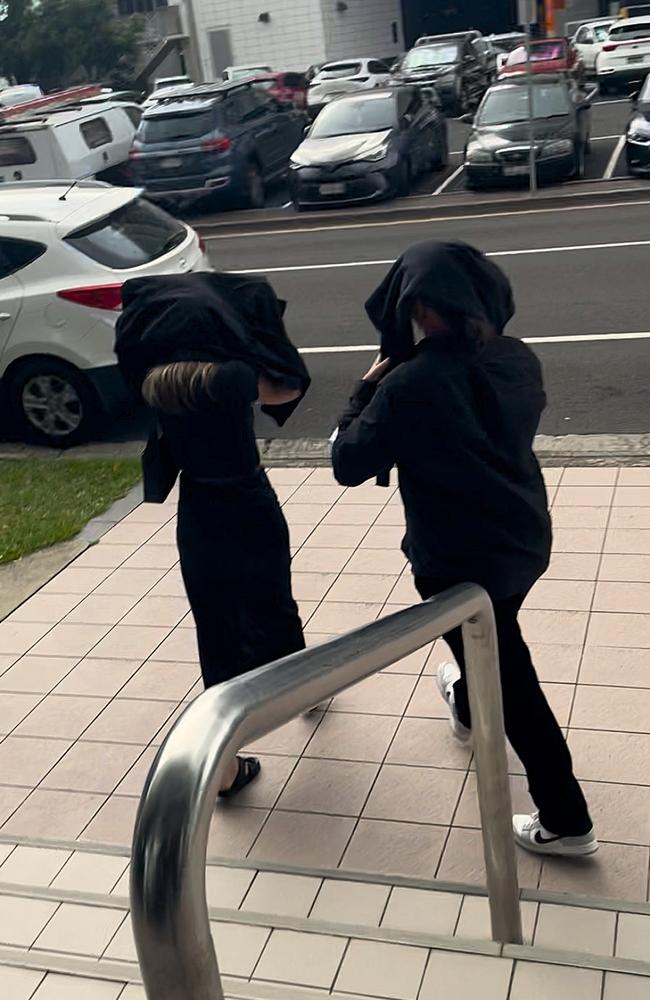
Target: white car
{"type": "Point", "coordinates": [589, 40]}
{"type": "Point", "coordinates": [368, 73]}
{"type": "Point", "coordinates": [625, 57]}
{"type": "Point", "coordinates": [65, 252]}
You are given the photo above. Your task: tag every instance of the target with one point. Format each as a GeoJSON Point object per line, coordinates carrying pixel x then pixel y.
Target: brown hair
{"type": "Point", "coordinates": [180, 386]}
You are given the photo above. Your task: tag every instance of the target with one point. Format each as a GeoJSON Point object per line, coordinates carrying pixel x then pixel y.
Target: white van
{"type": "Point", "coordinates": [76, 142]}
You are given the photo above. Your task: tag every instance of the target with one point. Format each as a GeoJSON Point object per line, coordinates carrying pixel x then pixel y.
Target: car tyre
{"type": "Point", "coordinates": [51, 403]}
{"type": "Point", "coordinates": [254, 194]}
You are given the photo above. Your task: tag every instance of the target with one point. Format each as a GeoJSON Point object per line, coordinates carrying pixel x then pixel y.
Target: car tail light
{"type": "Point", "coordinates": [220, 145]}
{"type": "Point", "coordinates": [135, 154]}
{"type": "Point", "coordinates": [94, 296]}
{"type": "Point", "coordinates": [609, 47]}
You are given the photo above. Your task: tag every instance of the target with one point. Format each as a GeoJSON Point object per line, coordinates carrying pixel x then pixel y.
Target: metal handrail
{"type": "Point", "coordinates": [168, 898]}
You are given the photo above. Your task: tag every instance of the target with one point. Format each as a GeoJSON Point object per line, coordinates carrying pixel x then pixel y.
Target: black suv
{"type": "Point", "coordinates": [228, 139]}
{"type": "Point", "coordinates": [451, 65]}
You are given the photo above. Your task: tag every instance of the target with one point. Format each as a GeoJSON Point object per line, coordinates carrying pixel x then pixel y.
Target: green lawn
{"type": "Point", "coordinates": [47, 501]}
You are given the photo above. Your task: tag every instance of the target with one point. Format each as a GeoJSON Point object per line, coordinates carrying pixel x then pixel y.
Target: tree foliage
{"type": "Point", "coordinates": [59, 43]}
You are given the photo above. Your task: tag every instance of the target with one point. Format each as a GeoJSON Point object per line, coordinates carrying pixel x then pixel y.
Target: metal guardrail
{"type": "Point", "coordinates": [168, 899]}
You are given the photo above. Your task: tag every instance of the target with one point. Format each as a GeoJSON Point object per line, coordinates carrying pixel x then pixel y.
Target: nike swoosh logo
{"type": "Point", "coordinates": [544, 840]}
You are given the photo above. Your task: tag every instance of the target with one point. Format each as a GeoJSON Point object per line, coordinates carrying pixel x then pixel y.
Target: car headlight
{"type": "Point", "coordinates": [379, 153]}
{"type": "Point", "coordinates": [477, 154]}
{"type": "Point", "coordinates": [639, 130]}
{"type": "Point", "coordinates": [558, 147]}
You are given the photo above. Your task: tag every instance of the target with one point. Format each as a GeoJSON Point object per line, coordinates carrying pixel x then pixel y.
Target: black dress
{"type": "Point", "coordinates": [232, 537]}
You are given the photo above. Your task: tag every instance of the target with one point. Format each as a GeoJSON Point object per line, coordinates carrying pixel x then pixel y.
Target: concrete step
{"type": "Point", "coordinates": [64, 910]}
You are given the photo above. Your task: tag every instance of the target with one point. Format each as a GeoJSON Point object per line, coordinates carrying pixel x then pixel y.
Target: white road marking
{"type": "Point", "coordinates": [490, 253]}
{"type": "Point", "coordinates": [288, 204]}
{"type": "Point", "coordinates": [614, 158]}
{"type": "Point", "coordinates": [568, 339]}
{"type": "Point", "coordinates": [447, 182]}
{"type": "Point", "coordinates": [617, 100]}
{"type": "Point", "coordinates": [431, 220]}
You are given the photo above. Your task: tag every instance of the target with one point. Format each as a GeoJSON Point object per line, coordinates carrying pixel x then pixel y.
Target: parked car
{"type": "Point", "coordinates": [547, 55]}
{"type": "Point", "coordinates": [369, 73]}
{"type": "Point", "coordinates": [73, 142]}
{"type": "Point", "coordinates": [449, 64]}
{"type": "Point", "coordinates": [589, 40]}
{"type": "Point", "coordinates": [228, 139]}
{"type": "Point", "coordinates": [62, 267]}
{"type": "Point", "coordinates": [233, 73]}
{"type": "Point", "coordinates": [504, 44]}
{"type": "Point", "coordinates": [625, 57]}
{"type": "Point", "coordinates": [368, 146]}
{"type": "Point", "coordinates": [637, 132]}
{"type": "Point", "coordinates": [288, 87]}
{"type": "Point", "coordinates": [498, 148]}
{"type": "Point", "coordinates": [11, 96]}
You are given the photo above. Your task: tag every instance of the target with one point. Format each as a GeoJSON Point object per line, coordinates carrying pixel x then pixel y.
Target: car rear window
{"type": "Point", "coordinates": [622, 32]}
{"type": "Point", "coordinates": [337, 71]}
{"type": "Point", "coordinates": [132, 236]}
{"type": "Point", "coordinates": [96, 133]}
{"type": "Point", "coordinates": [538, 53]}
{"type": "Point", "coordinates": [16, 150]}
{"type": "Point", "coordinates": [171, 128]}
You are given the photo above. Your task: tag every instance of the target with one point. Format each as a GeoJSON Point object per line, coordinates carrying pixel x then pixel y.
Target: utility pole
{"type": "Point", "coordinates": [527, 11]}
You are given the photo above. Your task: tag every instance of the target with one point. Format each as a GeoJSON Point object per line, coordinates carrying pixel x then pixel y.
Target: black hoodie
{"type": "Point", "coordinates": [459, 425]}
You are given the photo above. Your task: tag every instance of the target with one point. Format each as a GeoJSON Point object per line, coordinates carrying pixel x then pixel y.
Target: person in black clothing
{"type": "Point", "coordinates": [202, 349]}
{"type": "Point", "coordinates": [455, 406]}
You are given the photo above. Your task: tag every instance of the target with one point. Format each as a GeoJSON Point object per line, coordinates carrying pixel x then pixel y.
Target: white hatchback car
{"type": "Point", "coordinates": [65, 252]}
{"type": "Point", "coordinates": [368, 73]}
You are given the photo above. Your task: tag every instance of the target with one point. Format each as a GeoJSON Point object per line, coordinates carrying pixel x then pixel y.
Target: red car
{"type": "Point", "coordinates": [547, 55]}
{"type": "Point", "coordinates": [290, 87]}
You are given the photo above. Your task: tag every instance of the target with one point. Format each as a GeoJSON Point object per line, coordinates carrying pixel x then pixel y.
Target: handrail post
{"type": "Point", "coordinates": [493, 783]}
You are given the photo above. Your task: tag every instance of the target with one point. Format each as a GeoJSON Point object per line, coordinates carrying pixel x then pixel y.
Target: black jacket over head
{"type": "Point", "coordinates": [203, 316]}
{"type": "Point", "coordinates": [453, 278]}
{"type": "Point", "coordinates": [459, 425]}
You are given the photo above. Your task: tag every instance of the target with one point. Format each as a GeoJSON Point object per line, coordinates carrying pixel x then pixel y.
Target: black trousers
{"type": "Point", "coordinates": [530, 725]}
{"type": "Point", "coordinates": [236, 565]}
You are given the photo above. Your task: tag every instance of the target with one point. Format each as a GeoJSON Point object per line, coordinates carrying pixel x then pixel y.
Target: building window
{"type": "Point", "coordinates": [128, 7]}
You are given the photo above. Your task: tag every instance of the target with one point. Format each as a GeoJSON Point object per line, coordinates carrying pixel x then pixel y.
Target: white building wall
{"type": "Point", "coordinates": [364, 29]}
{"type": "Point", "coordinates": [293, 39]}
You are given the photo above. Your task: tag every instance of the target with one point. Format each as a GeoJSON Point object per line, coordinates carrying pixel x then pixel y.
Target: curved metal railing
{"type": "Point", "coordinates": [168, 898]}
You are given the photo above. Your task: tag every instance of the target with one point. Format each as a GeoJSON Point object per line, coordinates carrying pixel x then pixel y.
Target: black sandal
{"type": "Point", "coordinates": [248, 770]}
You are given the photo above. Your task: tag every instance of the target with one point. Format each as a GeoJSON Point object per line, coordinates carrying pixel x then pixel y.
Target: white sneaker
{"type": "Point", "coordinates": [532, 836]}
{"type": "Point", "coordinates": [448, 674]}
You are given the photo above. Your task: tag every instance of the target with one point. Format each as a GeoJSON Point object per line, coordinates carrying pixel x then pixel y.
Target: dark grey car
{"type": "Point", "coordinates": [452, 66]}
{"type": "Point", "coordinates": [498, 148]}
{"type": "Point", "coordinates": [227, 139]}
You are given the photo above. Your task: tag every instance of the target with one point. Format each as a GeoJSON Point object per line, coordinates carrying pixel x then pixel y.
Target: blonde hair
{"type": "Point", "coordinates": [180, 386]}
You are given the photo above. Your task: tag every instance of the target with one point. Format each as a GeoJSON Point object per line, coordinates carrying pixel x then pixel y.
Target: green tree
{"type": "Point", "coordinates": [59, 43]}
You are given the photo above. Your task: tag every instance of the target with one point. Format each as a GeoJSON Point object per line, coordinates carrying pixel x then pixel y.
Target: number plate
{"type": "Point", "coordinates": [635, 59]}
{"type": "Point", "coordinates": [326, 189]}
{"type": "Point", "coordinates": [171, 163]}
{"type": "Point", "coordinates": [516, 171]}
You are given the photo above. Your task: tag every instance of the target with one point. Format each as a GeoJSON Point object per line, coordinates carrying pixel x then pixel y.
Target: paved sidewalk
{"type": "Point", "coordinates": [96, 666]}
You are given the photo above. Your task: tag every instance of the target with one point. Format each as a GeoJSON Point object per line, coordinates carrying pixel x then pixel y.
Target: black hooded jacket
{"type": "Point", "coordinates": [205, 316]}
{"type": "Point", "coordinates": [459, 425]}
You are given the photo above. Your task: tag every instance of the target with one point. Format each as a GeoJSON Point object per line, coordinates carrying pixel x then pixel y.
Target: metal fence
{"type": "Point", "coordinates": [168, 898]}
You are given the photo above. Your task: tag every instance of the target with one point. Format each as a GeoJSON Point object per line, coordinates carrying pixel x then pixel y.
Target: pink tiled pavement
{"type": "Point", "coordinates": [95, 667]}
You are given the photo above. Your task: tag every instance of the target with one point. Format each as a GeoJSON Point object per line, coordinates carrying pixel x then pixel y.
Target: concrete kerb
{"type": "Point", "coordinates": [589, 194]}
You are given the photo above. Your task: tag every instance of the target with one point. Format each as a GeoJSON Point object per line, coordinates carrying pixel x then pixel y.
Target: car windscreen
{"type": "Point", "coordinates": [169, 128]}
{"type": "Point", "coordinates": [502, 107]}
{"type": "Point", "coordinates": [538, 53]}
{"type": "Point", "coordinates": [131, 236]}
{"type": "Point", "coordinates": [339, 71]}
{"type": "Point", "coordinates": [431, 56]}
{"type": "Point", "coordinates": [624, 32]}
{"type": "Point", "coordinates": [344, 117]}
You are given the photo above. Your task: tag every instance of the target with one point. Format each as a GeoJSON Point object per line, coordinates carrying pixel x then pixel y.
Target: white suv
{"type": "Point", "coordinates": [65, 251]}
{"type": "Point", "coordinates": [624, 58]}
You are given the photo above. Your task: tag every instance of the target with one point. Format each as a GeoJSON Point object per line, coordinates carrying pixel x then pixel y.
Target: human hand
{"type": "Point", "coordinates": [377, 370]}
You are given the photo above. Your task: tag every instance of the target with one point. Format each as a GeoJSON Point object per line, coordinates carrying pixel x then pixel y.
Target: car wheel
{"type": "Point", "coordinates": [51, 403]}
{"type": "Point", "coordinates": [579, 168]}
{"type": "Point", "coordinates": [254, 193]}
